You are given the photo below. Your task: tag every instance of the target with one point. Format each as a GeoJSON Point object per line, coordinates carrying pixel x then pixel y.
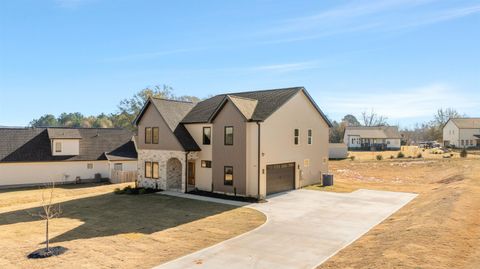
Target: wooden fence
{"type": "Point", "coordinates": [123, 176]}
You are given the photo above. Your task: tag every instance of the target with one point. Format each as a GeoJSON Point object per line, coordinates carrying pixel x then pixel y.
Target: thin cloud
{"type": "Point", "coordinates": [403, 104]}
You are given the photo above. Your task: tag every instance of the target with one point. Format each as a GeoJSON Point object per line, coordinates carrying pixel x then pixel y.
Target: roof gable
{"type": "Point", "coordinates": [466, 123]}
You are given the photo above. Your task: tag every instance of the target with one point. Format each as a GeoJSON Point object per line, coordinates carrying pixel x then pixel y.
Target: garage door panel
{"type": "Point", "coordinates": [280, 177]}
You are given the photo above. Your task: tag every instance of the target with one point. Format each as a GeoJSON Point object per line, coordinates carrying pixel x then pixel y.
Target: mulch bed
{"type": "Point", "coordinates": [224, 196]}
{"type": "Point", "coordinates": [43, 253]}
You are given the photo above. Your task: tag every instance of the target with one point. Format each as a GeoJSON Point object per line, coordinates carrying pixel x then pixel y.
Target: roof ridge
{"type": "Point", "coordinates": [171, 100]}
{"type": "Point", "coordinates": [266, 90]}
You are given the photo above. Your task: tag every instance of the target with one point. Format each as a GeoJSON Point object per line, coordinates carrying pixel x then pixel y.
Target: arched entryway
{"type": "Point", "coordinates": [174, 174]}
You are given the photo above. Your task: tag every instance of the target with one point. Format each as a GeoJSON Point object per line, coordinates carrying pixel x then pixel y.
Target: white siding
{"type": "Point", "coordinates": [70, 147]}
{"type": "Point", "coordinates": [44, 172]}
{"type": "Point", "coordinates": [393, 143]}
{"type": "Point", "coordinates": [451, 134]}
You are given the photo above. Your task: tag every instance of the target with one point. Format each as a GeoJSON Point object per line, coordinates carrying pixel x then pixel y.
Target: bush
{"type": "Point", "coordinates": [400, 155]}
{"type": "Point", "coordinates": [118, 191]}
{"type": "Point", "coordinates": [419, 155]}
{"type": "Point", "coordinates": [392, 157]}
{"type": "Point", "coordinates": [379, 157]}
{"type": "Point", "coordinates": [352, 158]}
{"type": "Point", "coordinates": [134, 191]}
{"type": "Point", "coordinates": [463, 153]}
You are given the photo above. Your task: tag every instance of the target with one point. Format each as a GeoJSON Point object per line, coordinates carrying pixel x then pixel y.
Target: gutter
{"type": "Point", "coordinates": [186, 171]}
{"type": "Point", "coordinates": [258, 164]}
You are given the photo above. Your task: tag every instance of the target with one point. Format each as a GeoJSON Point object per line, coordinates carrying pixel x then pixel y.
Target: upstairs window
{"type": "Point", "coordinates": [155, 135]}
{"type": "Point", "coordinates": [228, 175]}
{"type": "Point", "coordinates": [309, 137]}
{"type": "Point", "coordinates": [148, 135]}
{"type": "Point", "coordinates": [58, 146]}
{"type": "Point", "coordinates": [296, 134]}
{"type": "Point", "coordinates": [228, 139]}
{"type": "Point", "coordinates": [207, 135]}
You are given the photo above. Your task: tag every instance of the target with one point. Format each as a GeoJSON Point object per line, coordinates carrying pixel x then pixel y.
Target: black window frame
{"type": "Point", "coordinates": [148, 130]}
{"type": "Point", "coordinates": [225, 135]}
{"type": "Point", "coordinates": [148, 170]}
{"type": "Point", "coordinates": [225, 181]}
{"type": "Point", "coordinates": [153, 135]}
{"type": "Point", "coordinates": [208, 164]}
{"type": "Point", "coordinates": [309, 136]}
{"type": "Point", "coordinates": [158, 170]}
{"type": "Point", "coordinates": [204, 136]}
{"type": "Point", "coordinates": [296, 136]}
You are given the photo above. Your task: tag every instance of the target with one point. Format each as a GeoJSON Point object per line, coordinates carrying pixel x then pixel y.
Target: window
{"type": "Point", "coordinates": [228, 175]}
{"type": "Point", "coordinates": [148, 170]}
{"type": "Point", "coordinates": [296, 133]}
{"type": "Point", "coordinates": [148, 135]}
{"type": "Point", "coordinates": [155, 170]}
{"type": "Point", "coordinates": [155, 135]}
{"type": "Point", "coordinates": [207, 135]}
{"type": "Point", "coordinates": [89, 165]}
{"type": "Point", "coordinates": [309, 138]}
{"type": "Point", "coordinates": [206, 164]}
{"type": "Point", "coordinates": [471, 142]}
{"type": "Point", "coordinates": [58, 146]}
{"type": "Point", "coordinates": [228, 139]}
{"type": "Point", "coordinates": [118, 167]}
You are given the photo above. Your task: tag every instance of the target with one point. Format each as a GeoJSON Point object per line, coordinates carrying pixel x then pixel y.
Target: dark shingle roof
{"type": "Point", "coordinates": [268, 102]}
{"type": "Point", "coordinates": [33, 145]}
{"type": "Point", "coordinates": [63, 133]}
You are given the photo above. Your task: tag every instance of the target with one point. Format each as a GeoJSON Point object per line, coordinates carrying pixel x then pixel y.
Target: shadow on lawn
{"type": "Point", "coordinates": [110, 214]}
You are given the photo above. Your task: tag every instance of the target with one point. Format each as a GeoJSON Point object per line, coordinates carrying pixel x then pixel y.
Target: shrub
{"type": "Point", "coordinates": [352, 158]}
{"type": "Point", "coordinates": [118, 191]}
{"type": "Point", "coordinates": [142, 191]}
{"type": "Point", "coordinates": [392, 157]}
{"type": "Point", "coordinates": [400, 155]}
{"type": "Point", "coordinates": [463, 153]}
{"type": "Point", "coordinates": [419, 155]}
{"type": "Point", "coordinates": [379, 157]}
{"type": "Point", "coordinates": [451, 154]}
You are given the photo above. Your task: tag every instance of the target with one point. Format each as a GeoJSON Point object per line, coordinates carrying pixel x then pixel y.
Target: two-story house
{"type": "Point", "coordinates": [462, 133]}
{"type": "Point", "coordinates": [247, 144]}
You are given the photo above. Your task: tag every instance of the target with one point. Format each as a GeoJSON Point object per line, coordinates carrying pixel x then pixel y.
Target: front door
{"type": "Point", "coordinates": [191, 173]}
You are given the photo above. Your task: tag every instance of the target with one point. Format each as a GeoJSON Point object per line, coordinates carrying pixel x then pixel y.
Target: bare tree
{"type": "Point", "coordinates": [49, 210]}
{"type": "Point", "coordinates": [373, 119]}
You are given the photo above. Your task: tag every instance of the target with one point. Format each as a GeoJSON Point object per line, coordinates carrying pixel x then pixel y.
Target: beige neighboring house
{"type": "Point", "coordinates": [32, 156]}
{"type": "Point", "coordinates": [247, 144]}
{"type": "Point", "coordinates": [372, 138]}
{"type": "Point", "coordinates": [462, 133]}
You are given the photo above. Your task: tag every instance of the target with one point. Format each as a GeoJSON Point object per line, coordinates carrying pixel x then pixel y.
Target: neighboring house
{"type": "Point", "coordinates": [247, 144]}
{"type": "Point", "coordinates": [462, 132]}
{"type": "Point", "coordinates": [372, 138]}
{"type": "Point", "coordinates": [30, 156]}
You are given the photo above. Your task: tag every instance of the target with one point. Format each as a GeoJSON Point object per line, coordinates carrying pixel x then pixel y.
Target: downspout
{"type": "Point", "coordinates": [258, 164]}
{"type": "Point", "coordinates": [186, 171]}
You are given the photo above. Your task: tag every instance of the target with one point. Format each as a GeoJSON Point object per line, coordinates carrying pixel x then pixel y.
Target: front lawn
{"type": "Point", "coordinates": [120, 231]}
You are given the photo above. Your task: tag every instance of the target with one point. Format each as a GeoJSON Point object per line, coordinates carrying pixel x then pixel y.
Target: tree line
{"type": "Point", "coordinates": [126, 112]}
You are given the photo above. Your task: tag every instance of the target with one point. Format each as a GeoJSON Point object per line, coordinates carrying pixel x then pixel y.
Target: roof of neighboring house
{"type": "Point", "coordinates": [173, 112]}
{"type": "Point", "coordinates": [33, 144]}
{"type": "Point", "coordinates": [466, 123]}
{"type": "Point", "coordinates": [268, 101]}
{"type": "Point", "coordinates": [374, 131]}
{"type": "Point", "coordinates": [62, 133]}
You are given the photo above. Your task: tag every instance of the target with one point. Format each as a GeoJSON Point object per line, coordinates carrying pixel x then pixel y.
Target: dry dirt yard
{"type": "Point", "coordinates": [438, 229]}
{"type": "Point", "coordinates": [104, 230]}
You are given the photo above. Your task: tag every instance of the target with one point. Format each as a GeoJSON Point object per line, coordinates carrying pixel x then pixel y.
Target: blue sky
{"type": "Point", "coordinates": [404, 59]}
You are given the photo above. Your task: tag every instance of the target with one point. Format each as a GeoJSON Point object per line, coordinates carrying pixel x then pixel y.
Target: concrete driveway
{"type": "Point", "coordinates": [304, 228]}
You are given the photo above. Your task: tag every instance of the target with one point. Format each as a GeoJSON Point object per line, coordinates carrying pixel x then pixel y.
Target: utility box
{"type": "Point", "coordinates": [327, 180]}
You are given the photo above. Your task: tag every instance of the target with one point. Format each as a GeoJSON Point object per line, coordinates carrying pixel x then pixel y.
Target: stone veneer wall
{"type": "Point", "coordinates": [162, 157]}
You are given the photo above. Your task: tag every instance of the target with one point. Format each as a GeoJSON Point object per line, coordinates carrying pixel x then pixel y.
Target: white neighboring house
{"type": "Point", "coordinates": [32, 156]}
{"type": "Point", "coordinates": [462, 132]}
{"type": "Point", "coordinates": [372, 138]}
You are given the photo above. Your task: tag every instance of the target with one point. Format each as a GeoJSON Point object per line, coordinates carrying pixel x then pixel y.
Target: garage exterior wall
{"type": "Point", "coordinates": [277, 142]}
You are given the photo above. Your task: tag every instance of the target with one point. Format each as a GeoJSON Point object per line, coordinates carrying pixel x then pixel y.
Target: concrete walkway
{"type": "Point", "coordinates": [304, 228]}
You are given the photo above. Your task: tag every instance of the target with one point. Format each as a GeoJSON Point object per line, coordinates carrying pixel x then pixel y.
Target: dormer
{"type": "Point", "coordinates": [64, 142]}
